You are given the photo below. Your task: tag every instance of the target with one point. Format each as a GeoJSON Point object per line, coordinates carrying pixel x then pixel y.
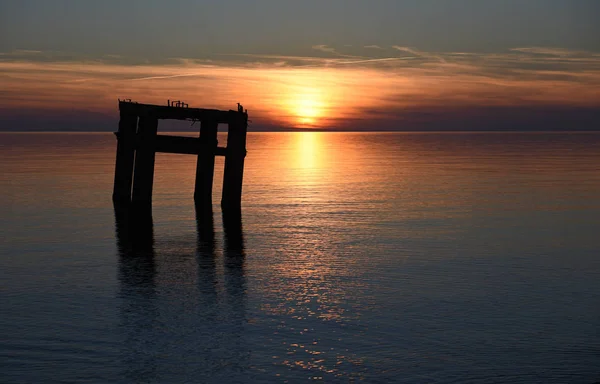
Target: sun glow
{"type": "Point", "coordinates": [308, 108]}
{"type": "Point", "coordinates": [306, 98]}
{"type": "Point", "coordinates": [326, 94]}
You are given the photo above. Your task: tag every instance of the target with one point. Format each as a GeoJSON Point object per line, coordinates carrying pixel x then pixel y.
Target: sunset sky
{"type": "Point", "coordinates": [334, 65]}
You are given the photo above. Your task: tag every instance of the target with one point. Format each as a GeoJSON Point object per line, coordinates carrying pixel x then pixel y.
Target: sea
{"type": "Point", "coordinates": [357, 257]}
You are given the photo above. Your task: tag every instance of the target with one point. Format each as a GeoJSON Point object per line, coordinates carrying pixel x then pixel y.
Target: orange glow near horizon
{"type": "Point", "coordinates": [305, 98]}
{"type": "Point", "coordinates": [306, 106]}
{"type": "Point", "coordinates": [324, 94]}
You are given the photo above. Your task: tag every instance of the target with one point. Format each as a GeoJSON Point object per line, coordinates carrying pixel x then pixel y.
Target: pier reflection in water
{"type": "Point", "coordinates": [137, 275]}
{"type": "Point", "coordinates": [177, 323]}
{"type": "Point", "coordinates": [382, 257]}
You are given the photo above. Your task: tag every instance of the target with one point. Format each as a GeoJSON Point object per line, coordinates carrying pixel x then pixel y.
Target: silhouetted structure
{"type": "Point", "coordinates": [138, 143]}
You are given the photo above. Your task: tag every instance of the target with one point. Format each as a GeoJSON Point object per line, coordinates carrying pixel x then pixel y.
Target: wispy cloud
{"type": "Point", "coordinates": [344, 87]}
{"type": "Point", "coordinates": [366, 61]}
{"type": "Point", "coordinates": [561, 52]}
{"type": "Point", "coordinates": [167, 76]}
{"type": "Point", "coordinates": [418, 53]}
{"type": "Point", "coordinates": [26, 52]}
{"type": "Point", "coordinates": [327, 49]}
{"type": "Point", "coordinates": [372, 46]}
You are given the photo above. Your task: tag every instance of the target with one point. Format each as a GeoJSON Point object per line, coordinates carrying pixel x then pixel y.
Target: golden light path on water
{"type": "Point", "coordinates": [313, 283]}
{"type": "Point", "coordinates": [309, 151]}
{"type": "Point", "coordinates": [355, 246]}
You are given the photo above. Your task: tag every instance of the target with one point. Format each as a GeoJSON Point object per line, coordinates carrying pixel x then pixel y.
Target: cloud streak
{"type": "Point", "coordinates": [418, 53]}
{"type": "Point", "coordinates": [278, 89]}
{"type": "Point", "coordinates": [330, 50]}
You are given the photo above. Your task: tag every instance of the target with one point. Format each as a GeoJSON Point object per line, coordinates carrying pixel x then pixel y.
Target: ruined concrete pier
{"type": "Point", "coordinates": [138, 142]}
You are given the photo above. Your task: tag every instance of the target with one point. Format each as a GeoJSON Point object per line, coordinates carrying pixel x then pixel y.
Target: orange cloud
{"type": "Point", "coordinates": [309, 91]}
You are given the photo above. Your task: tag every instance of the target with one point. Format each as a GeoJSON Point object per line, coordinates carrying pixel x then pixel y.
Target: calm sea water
{"type": "Point", "coordinates": [417, 258]}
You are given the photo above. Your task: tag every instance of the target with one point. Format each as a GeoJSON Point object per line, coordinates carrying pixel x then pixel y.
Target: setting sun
{"type": "Point", "coordinates": [308, 108]}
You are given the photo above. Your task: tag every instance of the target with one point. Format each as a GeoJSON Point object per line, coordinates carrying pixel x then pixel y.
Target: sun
{"type": "Point", "coordinates": [308, 110]}
{"type": "Point", "coordinates": [307, 107]}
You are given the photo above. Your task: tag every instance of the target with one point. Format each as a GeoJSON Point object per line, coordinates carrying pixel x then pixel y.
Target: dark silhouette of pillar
{"type": "Point", "coordinates": [205, 165]}
{"type": "Point", "coordinates": [143, 177]}
{"type": "Point", "coordinates": [138, 142]}
{"type": "Point", "coordinates": [125, 156]}
{"type": "Point", "coordinates": [234, 162]}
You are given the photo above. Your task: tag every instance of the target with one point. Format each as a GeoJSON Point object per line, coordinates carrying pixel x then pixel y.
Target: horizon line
{"type": "Point", "coordinates": [288, 130]}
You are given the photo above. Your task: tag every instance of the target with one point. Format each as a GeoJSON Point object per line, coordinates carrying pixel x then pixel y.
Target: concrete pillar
{"type": "Point", "coordinates": [143, 177]}
{"type": "Point", "coordinates": [234, 162]}
{"type": "Point", "coordinates": [205, 165]}
{"type": "Point", "coordinates": [125, 156]}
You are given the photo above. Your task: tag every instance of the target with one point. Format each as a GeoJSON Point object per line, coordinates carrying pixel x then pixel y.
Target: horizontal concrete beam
{"type": "Point", "coordinates": [164, 112]}
{"type": "Point", "coordinates": [183, 145]}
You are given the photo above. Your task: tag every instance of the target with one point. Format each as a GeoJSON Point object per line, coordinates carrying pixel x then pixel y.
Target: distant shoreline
{"type": "Point", "coordinates": [287, 130]}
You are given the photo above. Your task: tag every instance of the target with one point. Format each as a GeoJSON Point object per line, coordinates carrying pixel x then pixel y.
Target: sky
{"type": "Point", "coordinates": [331, 65]}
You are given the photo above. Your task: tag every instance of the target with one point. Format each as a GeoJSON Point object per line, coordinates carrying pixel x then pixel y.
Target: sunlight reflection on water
{"type": "Point", "coordinates": [375, 257]}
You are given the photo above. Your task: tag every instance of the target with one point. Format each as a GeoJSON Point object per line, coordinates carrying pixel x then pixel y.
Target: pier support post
{"type": "Point", "coordinates": [205, 165]}
{"type": "Point", "coordinates": [234, 162]}
{"type": "Point", "coordinates": [138, 142]}
{"type": "Point", "coordinates": [143, 177]}
{"type": "Point", "coordinates": [125, 156]}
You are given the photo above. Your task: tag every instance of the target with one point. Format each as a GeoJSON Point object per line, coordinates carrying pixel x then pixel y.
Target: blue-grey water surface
{"type": "Point", "coordinates": [381, 257]}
